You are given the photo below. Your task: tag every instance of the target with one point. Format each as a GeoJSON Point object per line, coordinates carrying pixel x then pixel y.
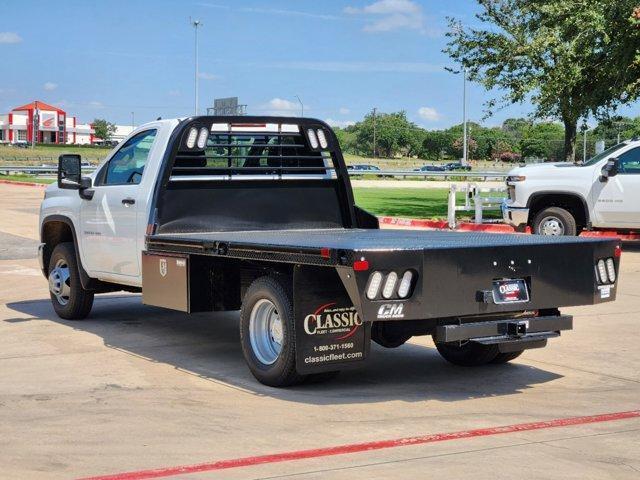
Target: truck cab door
{"type": "Point", "coordinates": [111, 242]}
{"type": "Point", "coordinates": [617, 201]}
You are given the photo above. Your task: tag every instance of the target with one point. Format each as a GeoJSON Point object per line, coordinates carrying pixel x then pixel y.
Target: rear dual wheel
{"type": "Point", "coordinates": [267, 334]}
{"type": "Point", "coordinates": [472, 354]}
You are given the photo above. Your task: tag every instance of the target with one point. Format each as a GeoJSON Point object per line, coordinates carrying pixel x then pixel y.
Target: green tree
{"type": "Point", "coordinates": [543, 140]}
{"type": "Point", "coordinates": [394, 134]}
{"type": "Point", "coordinates": [570, 59]}
{"type": "Point", "coordinates": [103, 129]}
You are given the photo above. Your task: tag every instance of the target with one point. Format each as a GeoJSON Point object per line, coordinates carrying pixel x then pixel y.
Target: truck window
{"type": "Point", "coordinates": [630, 162]}
{"type": "Point", "coordinates": [601, 155]}
{"type": "Point", "coordinates": [127, 165]}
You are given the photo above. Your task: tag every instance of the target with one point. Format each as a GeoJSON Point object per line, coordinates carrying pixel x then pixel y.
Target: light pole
{"type": "Point", "coordinates": [301, 106]}
{"type": "Point", "coordinates": [374, 131]}
{"type": "Point", "coordinates": [585, 128]}
{"type": "Point", "coordinates": [196, 24]}
{"type": "Point", "coordinates": [464, 116]}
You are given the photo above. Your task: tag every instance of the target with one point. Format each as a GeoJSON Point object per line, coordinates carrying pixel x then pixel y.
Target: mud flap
{"type": "Point", "coordinates": [330, 334]}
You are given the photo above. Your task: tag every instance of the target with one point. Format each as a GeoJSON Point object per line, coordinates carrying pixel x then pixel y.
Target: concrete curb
{"type": "Point", "coordinates": [443, 225]}
{"type": "Point", "coordinates": [24, 184]}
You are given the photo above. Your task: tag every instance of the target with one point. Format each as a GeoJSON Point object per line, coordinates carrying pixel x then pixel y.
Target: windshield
{"type": "Point", "coordinates": [600, 156]}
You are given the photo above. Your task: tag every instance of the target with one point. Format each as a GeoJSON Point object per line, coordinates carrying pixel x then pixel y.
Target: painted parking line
{"type": "Point", "coordinates": [364, 447]}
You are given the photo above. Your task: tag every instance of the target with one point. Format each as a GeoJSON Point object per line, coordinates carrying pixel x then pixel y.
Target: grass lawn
{"type": "Point", "coordinates": [27, 178]}
{"type": "Point", "coordinates": [424, 203]}
{"type": "Point", "coordinates": [49, 154]}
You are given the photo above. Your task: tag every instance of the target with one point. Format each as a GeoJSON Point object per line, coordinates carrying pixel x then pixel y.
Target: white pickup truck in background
{"type": "Point", "coordinates": [565, 198]}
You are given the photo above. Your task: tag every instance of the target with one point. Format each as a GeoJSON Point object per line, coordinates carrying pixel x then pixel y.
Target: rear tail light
{"type": "Point", "coordinates": [393, 286]}
{"type": "Point", "coordinates": [405, 284]}
{"type": "Point", "coordinates": [611, 270]}
{"type": "Point", "coordinates": [374, 285]}
{"type": "Point", "coordinates": [606, 270]}
{"type": "Point", "coordinates": [390, 285]}
{"type": "Point", "coordinates": [602, 271]}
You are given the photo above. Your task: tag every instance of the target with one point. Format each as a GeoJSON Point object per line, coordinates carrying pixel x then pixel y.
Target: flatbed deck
{"type": "Point", "coordinates": [306, 245]}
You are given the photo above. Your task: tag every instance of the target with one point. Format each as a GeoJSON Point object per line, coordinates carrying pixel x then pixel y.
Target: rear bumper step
{"type": "Point", "coordinates": [510, 334]}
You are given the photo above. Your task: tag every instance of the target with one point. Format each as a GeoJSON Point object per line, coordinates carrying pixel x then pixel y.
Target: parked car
{"type": "Point", "coordinates": [270, 228]}
{"type": "Point", "coordinates": [566, 198]}
{"type": "Point", "coordinates": [453, 166]}
{"type": "Point", "coordinates": [355, 169]}
{"type": "Point", "coordinates": [429, 168]}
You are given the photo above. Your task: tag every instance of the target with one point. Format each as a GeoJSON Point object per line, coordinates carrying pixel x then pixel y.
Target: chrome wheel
{"type": "Point", "coordinates": [266, 332]}
{"type": "Point", "coordinates": [551, 226]}
{"type": "Point", "coordinates": [60, 282]}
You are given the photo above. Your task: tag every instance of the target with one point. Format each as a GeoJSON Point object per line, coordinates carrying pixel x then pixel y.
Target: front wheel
{"type": "Point", "coordinates": [70, 300]}
{"type": "Point", "coordinates": [555, 221]}
{"type": "Point", "coordinates": [267, 332]}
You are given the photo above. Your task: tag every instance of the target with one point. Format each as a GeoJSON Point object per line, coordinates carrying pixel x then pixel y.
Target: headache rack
{"type": "Point", "coordinates": [273, 149]}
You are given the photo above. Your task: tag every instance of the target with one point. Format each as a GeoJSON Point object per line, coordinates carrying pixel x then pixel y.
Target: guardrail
{"type": "Point", "coordinates": [446, 174]}
{"type": "Point", "coordinates": [53, 169]}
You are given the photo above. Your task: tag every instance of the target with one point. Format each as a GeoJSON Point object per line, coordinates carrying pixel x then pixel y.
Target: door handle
{"type": "Point", "coordinates": [128, 201]}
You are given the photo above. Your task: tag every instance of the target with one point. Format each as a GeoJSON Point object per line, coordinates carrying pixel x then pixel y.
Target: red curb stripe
{"type": "Point", "coordinates": [23, 184]}
{"type": "Point", "coordinates": [364, 447]}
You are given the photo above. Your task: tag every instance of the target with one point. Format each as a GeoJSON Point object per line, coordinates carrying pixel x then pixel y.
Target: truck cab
{"type": "Point", "coordinates": [565, 198]}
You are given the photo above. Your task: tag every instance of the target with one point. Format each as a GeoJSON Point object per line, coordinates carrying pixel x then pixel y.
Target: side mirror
{"type": "Point", "coordinates": [69, 172]}
{"type": "Point", "coordinates": [611, 169]}
{"type": "Point", "coordinates": [70, 175]}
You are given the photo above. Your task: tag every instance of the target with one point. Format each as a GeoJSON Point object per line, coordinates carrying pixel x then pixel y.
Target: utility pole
{"type": "Point", "coordinates": [374, 132]}
{"type": "Point", "coordinates": [464, 116]}
{"type": "Point", "coordinates": [585, 127]}
{"type": "Point", "coordinates": [36, 122]}
{"type": "Point", "coordinates": [301, 106]}
{"type": "Point", "coordinates": [196, 24]}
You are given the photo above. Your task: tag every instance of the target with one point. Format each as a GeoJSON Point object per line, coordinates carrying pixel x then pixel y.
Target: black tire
{"type": "Point", "coordinates": [79, 302]}
{"type": "Point", "coordinates": [565, 221]}
{"type": "Point", "coordinates": [384, 336]}
{"type": "Point", "coordinates": [282, 372]}
{"type": "Point", "coordinates": [506, 357]}
{"type": "Point", "coordinates": [469, 354]}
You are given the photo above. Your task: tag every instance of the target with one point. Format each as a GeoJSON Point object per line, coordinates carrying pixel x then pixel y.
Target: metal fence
{"type": "Point", "coordinates": [474, 201]}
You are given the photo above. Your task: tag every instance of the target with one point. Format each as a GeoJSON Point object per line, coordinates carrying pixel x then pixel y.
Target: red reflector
{"type": "Point", "coordinates": [361, 265]}
{"type": "Point", "coordinates": [325, 253]}
{"type": "Point", "coordinates": [618, 251]}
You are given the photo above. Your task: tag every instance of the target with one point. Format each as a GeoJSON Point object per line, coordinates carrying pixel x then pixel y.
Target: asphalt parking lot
{"type": "Point", "coordinates": [134, 388]}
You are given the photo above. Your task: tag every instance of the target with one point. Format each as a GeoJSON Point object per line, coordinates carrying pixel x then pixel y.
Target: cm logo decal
{"type": "Point", "coordinates": [391, 310]}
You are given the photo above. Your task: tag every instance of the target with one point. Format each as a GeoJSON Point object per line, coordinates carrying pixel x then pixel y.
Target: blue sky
{"type": "Point", "coordinates": [342, 57]}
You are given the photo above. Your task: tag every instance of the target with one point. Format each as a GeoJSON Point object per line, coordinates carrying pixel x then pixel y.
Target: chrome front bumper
{"type": "Point", "coordinates": [515, 216]}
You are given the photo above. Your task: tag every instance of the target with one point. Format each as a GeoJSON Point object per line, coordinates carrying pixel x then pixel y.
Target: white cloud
{"type": "Point", "coordinates": [339, 123]}
{"type": "Point", "coordinates": [344, 111]}
{"type": "Point", "coordinates": [280, 106]}
{"type": "Point", "coordinates": [10, 37]}
{"type": "Point", "coordinates": [429, 113]}
{"type": "Point", "coordinates": [50, 86]}
{"type": "Point", "coordinates": [208, 76]}
{"type": "Point", "coordinates": [388, 15]}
